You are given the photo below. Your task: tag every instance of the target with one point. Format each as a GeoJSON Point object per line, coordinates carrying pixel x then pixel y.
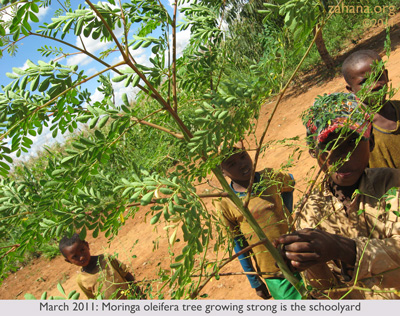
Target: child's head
{"type": "Point", "coordinates": [355, 69]}
{"type": "Point", "coordinates": [334, 124]}
{"type": "Point", "coordinates": [75, 250]}
{"type": "Point", "coordinates": [239, 165]}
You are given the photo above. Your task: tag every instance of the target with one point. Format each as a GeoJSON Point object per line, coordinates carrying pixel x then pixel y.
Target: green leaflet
{"type": "Point", "coordinates": [146, 199]}
{"type": "Point", "coordinates": [155, 218]}
{"type": "Point", "coordinates": [103, 121]}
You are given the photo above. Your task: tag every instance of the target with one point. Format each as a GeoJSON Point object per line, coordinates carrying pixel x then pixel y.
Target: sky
{"type": "Point", "coordinates": [27, 49]}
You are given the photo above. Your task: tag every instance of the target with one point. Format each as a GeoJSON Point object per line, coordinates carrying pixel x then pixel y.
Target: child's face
{"type": "Point", "coordinates": [358, 76]}
{"type": "Point", "coordinates": [344, 173]}
{"type": "Point", "coordinates": [77, 254]}
{"type": "Point", "coordinates": [238, 166]}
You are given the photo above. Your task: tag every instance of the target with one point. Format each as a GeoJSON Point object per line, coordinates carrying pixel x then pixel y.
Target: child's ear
{"type": "Point", "coordinates": [313, 153]}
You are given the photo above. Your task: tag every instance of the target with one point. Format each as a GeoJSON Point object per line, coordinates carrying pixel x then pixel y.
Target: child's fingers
{"type": "Point", "coordinates": [302, 256]}
{"type": "Point", "coordinates": [291, 238]}
{"type": "Point", "coordinates": [286, 239]}
{"type": "Point", "coordinates": [302, 246]}
{"type": "Point", "coordinates": [301, 266]}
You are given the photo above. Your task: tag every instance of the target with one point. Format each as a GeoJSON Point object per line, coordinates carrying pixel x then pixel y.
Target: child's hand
{"type": "Point", "coordinates": [263, 292]}
{"type": "Point", "coordinates": [307, 247]}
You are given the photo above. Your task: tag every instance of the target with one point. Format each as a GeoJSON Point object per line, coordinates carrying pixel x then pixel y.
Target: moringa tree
{"type": "Point", "coordinates": [191, 98]}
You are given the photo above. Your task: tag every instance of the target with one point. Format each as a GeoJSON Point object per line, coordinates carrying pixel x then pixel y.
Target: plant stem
{"type": "Point", "coordinates": [175, 99]}
{"type": "Point", "coordinates": [121, 49]}
{"type": "Point", "coordinates": [78, 49]}
{"type": "Point", "coordinates": [177, 135]}
{"type": "Point", "coordinates": [14, 247]}
{"type": "Point", "coordinates": [270, 274]}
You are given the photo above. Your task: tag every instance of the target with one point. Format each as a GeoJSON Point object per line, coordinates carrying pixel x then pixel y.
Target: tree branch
{"type": "Point", "coordinates": [79, 49]}
{"type": "Point", "coordinates": [177, 135]}
{"type": "Point", "coordinates": [125, 57]}
{"type": "Point", "coordinates": [175, 100]}
{"type": "Point", "coordinates": [270, 274]}
{"type": "Point", "coordinates": [14, 247]}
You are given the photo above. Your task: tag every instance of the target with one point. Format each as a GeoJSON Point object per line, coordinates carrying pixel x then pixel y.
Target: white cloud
{"type": "Point", "coordinates": [79, 59]}
{"type": "Point", "coordinates": [182, 39]}
{"type": "Point", "coordinates": [97, 96]}
{"type": "Point", "coordinates": [43, 12]}
{"type": "Point", "coordinates": [224, 26]}
{"type": "Point", "coordinates": [140, 56]}
{"type": "Point", "coordinates": [91, 46]}
{"type": "Point", "coordinates": [25, 66]}
{"type": "Point", "coordinates": [186, 4]}
{"type": "Point", "coordinates": [7, 15]}
{"type": "Point", "coordinates": [119, 90]}
{"type": "Point", "coordinates": [118, 32]}
{"type": "Point", "coordinates": [91, 71]}
{"type": "Point", "coordinates": [180, 14]}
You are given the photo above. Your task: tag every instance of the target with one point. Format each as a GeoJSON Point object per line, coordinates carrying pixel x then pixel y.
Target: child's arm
{"type": "Point", "coordinates": [123, 271]}
{"type": "Point", "coordinates": [231, 229]}
{"type": "Point", "coordinates": [247, 265]}
{"type": "Point", "coordinates": [89, 294]}
{"type": "Point", "coordinates": [308, 247]}
{"type": "Point", "coordinates": [129, 277]}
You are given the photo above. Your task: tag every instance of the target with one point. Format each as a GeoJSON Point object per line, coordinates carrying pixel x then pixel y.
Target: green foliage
{"type": "Point", "coordinates": [341, 28]}
{"type": "Point", "coordinates": [73, 295]}
{"type": "Point", "coordinates": [344, 28]}
{"type": "Point", "coordinates": [49, 251]}
{"type": "Point", "coordinates": [300, 16]}
{"type": "Point", "coordinates": [90, 185]}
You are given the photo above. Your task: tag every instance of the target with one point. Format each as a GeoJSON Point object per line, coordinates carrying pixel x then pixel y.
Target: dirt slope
{"type": "Point", "coordinates": [43, 274]}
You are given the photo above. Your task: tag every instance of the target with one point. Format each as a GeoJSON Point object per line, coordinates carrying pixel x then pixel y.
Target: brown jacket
{"type": "Point", "coordinates": [374, 226]}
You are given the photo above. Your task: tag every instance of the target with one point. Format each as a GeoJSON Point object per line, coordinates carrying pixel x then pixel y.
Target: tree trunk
{"type": "Point", "coordinates": [326, 57]}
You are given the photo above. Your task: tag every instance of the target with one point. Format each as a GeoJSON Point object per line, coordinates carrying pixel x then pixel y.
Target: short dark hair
{"type": "Point", "coordinates": [66, 242]}
{"type": "Point", "coordinates": [356, 57]}
{"type": "Point", "coordinates": [233, 151]}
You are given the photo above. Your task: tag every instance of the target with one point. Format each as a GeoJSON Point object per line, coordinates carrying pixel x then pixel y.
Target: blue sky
{"type": "Point", "coordinates": [27, 49]}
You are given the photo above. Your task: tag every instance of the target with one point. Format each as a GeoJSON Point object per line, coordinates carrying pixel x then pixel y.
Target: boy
{"type": "Point", "coordinates": [386, 121]}
{"type": "Point", "coordinates": [99, 274]}
{"type": "Point", "coordinates": [266, 207]}
{"type": "Point", "coordinates": [348, 235]}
